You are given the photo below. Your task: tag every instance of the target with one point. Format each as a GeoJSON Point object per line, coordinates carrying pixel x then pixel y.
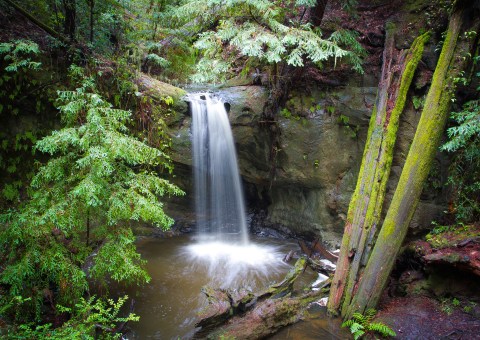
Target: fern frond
{"type": "Point", "coordinates": [358, 334]}
{"type": "Point", "coordinates": [370, 314]}
{"type": "Point", "coordinates": [360, 318]}
{"type": "Point", "coordinates": [355, 327]}
{"type": "Point", "coordinates": [348, 323]}
{"type": "Point", "coordinates": [381, 328]}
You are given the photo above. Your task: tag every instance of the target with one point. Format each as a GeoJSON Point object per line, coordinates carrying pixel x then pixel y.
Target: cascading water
{"type": "Point", "coordinates": [223, 245]}
{"type": "Point", "coordinates": [218, 193]}
{"type": "Point", "coordinates": [221, 256]}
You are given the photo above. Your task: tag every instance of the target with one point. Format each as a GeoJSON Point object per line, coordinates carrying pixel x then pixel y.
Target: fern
{"type": "Point", "coordinates": [464, 144]}
{"type": "Point", "coordinates": [360, 324]}
{"type": "Point", "coordinates": [370, 315]}
{"type": "Point", "coordinates": [18, 54]}
{"type": "Point", "coordinates": [358, 334]}
{"type": "Point", "coordinates": [90, 319]}
{"type": "Point", "coordinates": [360, 318]}
{"type": "Point", "coordinates": [381, 329]}
{"type": "Point", "coordinates": [256, 29]}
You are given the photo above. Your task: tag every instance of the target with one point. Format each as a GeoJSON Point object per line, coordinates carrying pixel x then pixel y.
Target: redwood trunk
{"type": "Point", "coordinates": [367, 201]}
{"type": "Point", "coordinates": [414, 174]}
{"type": "Point", "coordinates": [69, 27]}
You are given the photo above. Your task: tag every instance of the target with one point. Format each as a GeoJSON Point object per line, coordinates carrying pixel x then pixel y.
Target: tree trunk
{"type": "Point", "coordinates": [91, 5]}
{"type": "Point", "coordinates": [88, 228]}
{"type": "Point", "coordinates": [40, 24]}
{"type": "Point", "coordinates": [414, 174]}
{"type": "Point", "coordinates": [69, 26]}
{"type": "Point", "coordinates": [367, 201]}
{"type": "Point", "coordinates": [317, 12]}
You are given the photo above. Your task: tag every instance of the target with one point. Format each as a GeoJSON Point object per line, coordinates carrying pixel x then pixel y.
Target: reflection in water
{"type": "Point", "coordinates": [320, 326]}
{"type": "Point", "coordinates": [180, 268]}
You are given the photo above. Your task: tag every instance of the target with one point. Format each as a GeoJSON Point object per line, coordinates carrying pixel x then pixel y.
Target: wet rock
{"type": "Point", "coordinates": [218, 309]}
{"type": "Point", "coordinates": [265, 312]}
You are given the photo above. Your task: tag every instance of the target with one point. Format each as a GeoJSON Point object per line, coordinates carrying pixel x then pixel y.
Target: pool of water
{"type": "Point", "coordinates": [319, 326]}
{"type": "Point", "coordinates": [181, 266]}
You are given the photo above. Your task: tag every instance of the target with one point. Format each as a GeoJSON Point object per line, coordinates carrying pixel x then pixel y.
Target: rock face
{"type": "Point", "coordinates": [316, 158]}
{"type": "Point", "coordinates": [300, 172]}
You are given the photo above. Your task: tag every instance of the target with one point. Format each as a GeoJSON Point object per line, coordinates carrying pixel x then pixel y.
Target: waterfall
{"type": "Point", "coordinates": [219, 199]}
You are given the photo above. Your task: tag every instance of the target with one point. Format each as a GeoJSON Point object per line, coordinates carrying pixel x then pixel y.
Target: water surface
{"type": "Point", "coordinates": [180, 267]}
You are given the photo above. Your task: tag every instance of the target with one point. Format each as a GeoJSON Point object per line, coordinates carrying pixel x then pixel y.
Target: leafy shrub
{"type": "Point", "coordinates": [76, 223]}
{"type": "Point", "coordinates": [91, 318]}
{"type": "Point", "coordinates": [464, 144]}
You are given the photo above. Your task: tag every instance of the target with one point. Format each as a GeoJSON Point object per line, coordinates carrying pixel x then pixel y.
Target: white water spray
{"type": "Point", "coordinates": [224, 249]}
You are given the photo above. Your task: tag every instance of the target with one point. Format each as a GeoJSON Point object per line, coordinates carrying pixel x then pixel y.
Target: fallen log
{"type": "Point", "coordinates": [267, 317]}
{"type": "Point", "coordinates": [322, 266]}
{"type": "Point", "coordinates": [38, 23]}
{"type": "Point", "coordinates": [244, 315]}
{"type": "Point", "coordinates": [324, 252]}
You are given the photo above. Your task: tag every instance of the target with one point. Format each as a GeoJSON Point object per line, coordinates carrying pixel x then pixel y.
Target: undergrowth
{"type": "Point", "coordinates": [361, 325]}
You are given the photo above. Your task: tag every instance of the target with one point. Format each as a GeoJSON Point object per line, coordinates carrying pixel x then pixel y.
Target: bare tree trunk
{"type": "Point", "coordinates": [414, 174]}
{"type": "Point", "coordinates": [367, 201]}
{"type": "Point", "coordinates": [91, 5]}
{"type": "Point", "coordinates": [88, 228]}
{"type": "Point", "coordinates": [317, 12]}
{"type": "Point", "coordinates": [69, 26]}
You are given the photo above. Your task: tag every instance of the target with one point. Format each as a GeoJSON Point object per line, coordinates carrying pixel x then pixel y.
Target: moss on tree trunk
{"type": "Point", "coordinates": [414, 174]}
{"type": "Point", "coordinates": [367, 201]}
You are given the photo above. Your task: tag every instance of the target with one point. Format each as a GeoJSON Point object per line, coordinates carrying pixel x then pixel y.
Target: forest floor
{"type": "Point", "coordinates": [436, 295]}
{"type": "Point", "coordinates": [422, 317]}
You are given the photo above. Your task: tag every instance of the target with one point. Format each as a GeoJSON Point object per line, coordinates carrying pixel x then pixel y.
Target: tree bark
{"type": "Point", "coordinates": [414, 174]}
{"type": "Point", "coordinates": [91, 6]}
{"type": "Point", "coordinates": [69, 25]}
{"type": "Point", "coordinates": [367, 201]}
{"type": "Point", "coordinates": [317, 12]}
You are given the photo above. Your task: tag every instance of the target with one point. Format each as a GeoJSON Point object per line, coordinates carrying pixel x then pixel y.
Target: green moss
{"type": "Point", "coordinates": [158, 91]}
{"type": "Point", "coordinates": [300, 105]}
{"type": "Point", "coordinates": [414, 173]}
{"type": "Point", "coordinates": [451, 236]}
{"type": "Point", "coordinates": [376, 163]}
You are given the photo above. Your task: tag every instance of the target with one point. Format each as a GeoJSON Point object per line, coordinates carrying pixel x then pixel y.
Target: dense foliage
{"type": "Point", "coordinates": [265, 31]}
{"type": "Point", "coordinates": [90, 319]}
{"type": "Point", "coordinates": [464, 143]}
{"type": "Point", "coordinates": [68, 226]}
{"type": "Point", "coordinates": [75, 226]}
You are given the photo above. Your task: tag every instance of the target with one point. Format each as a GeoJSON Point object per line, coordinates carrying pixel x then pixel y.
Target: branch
{"type": "Point", "coordinates": [40, 24]}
